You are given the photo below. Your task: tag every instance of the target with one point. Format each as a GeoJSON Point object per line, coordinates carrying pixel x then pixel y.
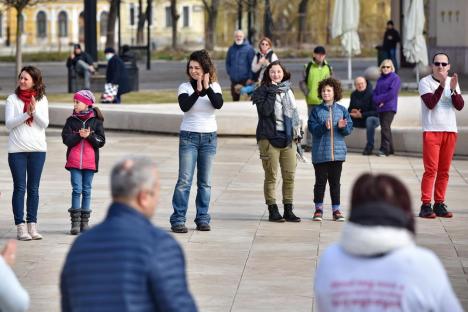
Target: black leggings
{"type": "Point", "coordinates": [330, 171]}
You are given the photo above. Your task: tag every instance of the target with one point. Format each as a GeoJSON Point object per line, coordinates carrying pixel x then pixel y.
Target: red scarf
{"type": "Point", "coordinates": [25, 96]}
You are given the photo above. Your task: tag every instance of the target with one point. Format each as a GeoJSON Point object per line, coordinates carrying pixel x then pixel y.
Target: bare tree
{"type": "Point", "coordinates": [175, 17]}
{"type": "Point", "coordinates": [19, 6]}
{"type": "Point", "coordinates": [142, 18]}
{"type": "Point", "coordinates": [110, 37]}
{"type": "Point", "coordinates": [268, 20]}
{"type": "Point", "coordinates": [211, 10]}
{"type": "Point", "coordinates": [302, 20]}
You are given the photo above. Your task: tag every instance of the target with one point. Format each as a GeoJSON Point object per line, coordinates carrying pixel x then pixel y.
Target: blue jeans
{"type": "Point", "coordinates": [81, 181]}
{"type": "Point", "coordinates": [194, 149]}
{"type": "Point", "coordinates": [26, 170]}
{"type": "Point", "coordinates": [372, 122]}
{"type": "Point", "coordinates": [391, 54]}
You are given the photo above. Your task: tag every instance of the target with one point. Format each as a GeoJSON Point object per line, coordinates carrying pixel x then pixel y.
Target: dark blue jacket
{"type": "Point", "coordinates": [325, 146]}
{"type": "Point", "coordinates": [125, 264]}
{"type": "Point", "coordinates": [117, 74]}
{"type": "Point", "coordinates": [239, 62]}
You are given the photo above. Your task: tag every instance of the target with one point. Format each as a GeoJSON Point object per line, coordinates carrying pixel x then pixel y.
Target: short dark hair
{"type": "Point", "coordinates": [36, 76]}
{"type": "Point", "coordinates": [371, 188]}
{"type": "Point", "coordinates": [390, 22]}
{"type": "Point", "coordinates": [320, 50]}
{"type": "Point", "coordinates": [440, 53]}
{"type": "Point", "coordinates": [335, 84]}
{"type": "Point", "coordinates": [266, 80]}
{"type": "Point", "coordinates": [109, 50]}
{"type": "Point", "coordinates": [203, 58]}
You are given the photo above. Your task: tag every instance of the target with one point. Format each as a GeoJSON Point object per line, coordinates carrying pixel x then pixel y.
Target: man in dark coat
{"type": "Point", "coordinates": [116, 73]}
{"type": "Point", "coordinates": [82, 63]}
{"type": "Point", "coordinates": [391, 38]}
{"type": "Point", "coordinates": [126, 263]}
{"type": "Point", "coordinates": [363, 112]}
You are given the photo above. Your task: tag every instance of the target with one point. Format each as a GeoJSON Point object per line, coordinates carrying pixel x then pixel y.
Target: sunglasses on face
{"type": "Point", "coordinates": [440, 63]}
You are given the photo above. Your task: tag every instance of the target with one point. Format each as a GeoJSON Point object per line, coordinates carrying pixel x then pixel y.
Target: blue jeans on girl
{"type": "Point", "coordinates": [26, 170]}
{"type": "Point", "coordinates": [194, 149]}
{"type": "Point", "coordinates": [81, 181]}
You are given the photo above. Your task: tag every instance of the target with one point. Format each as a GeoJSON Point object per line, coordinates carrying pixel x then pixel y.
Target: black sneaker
{"type": "Point", "coordinates": [179, 228]}
{"type": "Point", "coordinates": [426, 212]}
{"type": "Point", "coordinates": [440, 210]}
{"type": "Point", "coordinates": [203, 227]}
{"type": "Point", "coordinates": [367, 151]}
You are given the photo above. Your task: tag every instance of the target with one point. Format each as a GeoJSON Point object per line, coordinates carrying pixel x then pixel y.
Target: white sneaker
{"type": "Point", "coordinates": [32, 229]}
{"type": "Point", "coordinates": [22, 233]}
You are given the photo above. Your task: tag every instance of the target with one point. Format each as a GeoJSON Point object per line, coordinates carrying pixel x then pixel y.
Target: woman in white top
{"type": "Point", "coordinates": [376, 265]}
{"type": "Point", "coordinates": [198, 98]}
{"type": "Point", "coordinates": [263, 57]}
{"type": "Point", "coordinates": [27, 117]}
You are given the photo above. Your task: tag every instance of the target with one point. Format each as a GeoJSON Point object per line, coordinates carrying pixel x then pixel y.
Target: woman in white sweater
{"type": "Point", "coordinates": [376, 265]}
{"type": "Point", "coordinates": [27, 117]}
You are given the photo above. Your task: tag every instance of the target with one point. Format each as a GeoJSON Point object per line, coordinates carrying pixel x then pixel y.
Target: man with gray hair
{"type": "Point", "coordinates": [125, 263]}
{"type": "Point", "coordinates": [238, 64]}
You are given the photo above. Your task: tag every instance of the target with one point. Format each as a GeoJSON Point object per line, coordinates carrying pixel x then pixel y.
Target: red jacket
{"type": "Point", "coordinates": [82, 153]}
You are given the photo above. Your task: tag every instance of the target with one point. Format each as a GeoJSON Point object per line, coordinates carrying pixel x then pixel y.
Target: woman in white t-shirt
{"type": "Point", "coordinates": [27, 117]}
{"type": "Point", "coordinates": [198, 98]}
{"type": "Point", "coordinates": [376, 264]}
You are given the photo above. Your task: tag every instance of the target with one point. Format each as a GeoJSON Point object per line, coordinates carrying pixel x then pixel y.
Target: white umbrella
{"type": "Point", "coordinates": [345, 24]}
{"type": "Point", "coordinates": [414, 44]}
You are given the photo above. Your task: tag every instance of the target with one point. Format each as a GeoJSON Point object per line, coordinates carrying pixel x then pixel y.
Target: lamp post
{"type": "Point", "coordinates": [90, 34]}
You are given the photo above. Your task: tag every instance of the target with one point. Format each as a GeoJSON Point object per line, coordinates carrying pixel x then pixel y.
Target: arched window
{"type": "Point", "coordinates": [41, 21]}
{"type": "Point", "coordinates": [63, 24]}
{"type": "Point", "coordinates": [103, 23]}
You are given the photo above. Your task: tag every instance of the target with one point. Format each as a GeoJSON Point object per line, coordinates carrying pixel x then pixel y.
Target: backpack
{"type": "Point", "coordinates": [268, 56]}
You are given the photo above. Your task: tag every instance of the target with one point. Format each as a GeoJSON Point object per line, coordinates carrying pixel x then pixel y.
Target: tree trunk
{"type": "Point", "coordinates": [141, 23]}
{"type": "Point", "coordinates": [239, 14]}
{"type": "Point", "coordinates": [175, 18]}
{"type": "Point", "coordinates": [19, 54]}
{"type": "Point", "coordinates": [110, 38]}
{"type": "Point", "coordinates": [302, 12]}
{"type": "Point", "coordinates": [267, 21]}
{"type": "Point", "coordinates": [210, 26]}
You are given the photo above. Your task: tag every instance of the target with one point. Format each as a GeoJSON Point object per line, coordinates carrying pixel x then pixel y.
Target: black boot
{"type": "Point", "coordinates": [274, 215]}
{"type": "Point", "coordinates": [85, 214]}
{"type": "Point", "coordinates": [289, 214]}
{"type": "Point", "coordinates": [75, 217]}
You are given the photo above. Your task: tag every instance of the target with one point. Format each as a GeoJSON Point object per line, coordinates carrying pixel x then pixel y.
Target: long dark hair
{"type": "Point", "coordinates": [36, 76]}
{"type": "Point", "coordinates": [266, 80]}
{"type": "Point", "coordinates": [203, 58]}
{"type": "Point", "coordinates": [370, 188]}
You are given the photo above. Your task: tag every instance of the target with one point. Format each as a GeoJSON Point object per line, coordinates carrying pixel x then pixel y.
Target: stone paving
{"type": "Point", "coordinates": [245, 263]}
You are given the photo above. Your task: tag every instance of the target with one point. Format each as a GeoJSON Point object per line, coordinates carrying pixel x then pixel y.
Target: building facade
{"type": "Point", "coordinates": [56, 25]}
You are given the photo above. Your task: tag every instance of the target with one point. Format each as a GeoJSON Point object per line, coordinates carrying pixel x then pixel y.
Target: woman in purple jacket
{"type": "Point", "coordinates": [385, 97]}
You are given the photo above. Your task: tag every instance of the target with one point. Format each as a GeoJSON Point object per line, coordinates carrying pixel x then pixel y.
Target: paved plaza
{"type": "Point", "coordinates": [245, 263]}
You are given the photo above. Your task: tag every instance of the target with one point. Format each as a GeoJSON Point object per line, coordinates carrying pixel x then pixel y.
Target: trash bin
{"type": "Point", "coordinates": [133, 75]}
{"type": "Point", "coordinates": [381, 54]}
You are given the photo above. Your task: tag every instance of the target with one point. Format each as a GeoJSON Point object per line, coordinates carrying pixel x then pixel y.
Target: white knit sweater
{"type": "Point", "coordinates": [24, 138]}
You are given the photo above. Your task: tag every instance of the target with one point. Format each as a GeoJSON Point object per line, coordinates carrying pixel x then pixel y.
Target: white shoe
{"type": "Point", "coordinates": [32, 229]}
{"type": "Point", "coordinates": [22, 233]}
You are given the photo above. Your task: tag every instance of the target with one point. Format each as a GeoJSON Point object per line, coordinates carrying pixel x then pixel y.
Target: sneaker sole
{"type": "Point", "coordinates": [24, 239]}
{"type": "Point", "coordinates": [37, 238]}
{"type": "Point", "coordinates": [445, 216]}
{"type": "Point", "coordinates": [339, 220]}
{"type": "Point", "coordinates": [432, 216]}
{"type": "Point", "coordinates": [277, 221]}
{"type": "Point", "coordinates": [317, 219]}
{"type": "Point", "coordinates": [180, 231]}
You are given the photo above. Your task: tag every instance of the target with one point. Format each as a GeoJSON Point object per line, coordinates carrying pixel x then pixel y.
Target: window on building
{"type": "Point", "coordinates": [81, 27]}
{"type": "Point", "coordinates": [63, 24]}
{"type": "Point", "coordinates": [103, 24]}
{"type": "Point", "coordinates": [132, 14]}
{"type": "Point", "coordinates": [41, 27]}
{"type": "Point", "coordinates": [186, 16]}
{"type": "Point", "coordinates": [168, 17]}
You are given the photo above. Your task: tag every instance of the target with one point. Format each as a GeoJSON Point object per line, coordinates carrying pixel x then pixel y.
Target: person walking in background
{"type": "Point", "coordinates": [26, 118]}
{"type": "Point", "coordinates": [315, 71]}
{"type": "Point", "coordinates": [82, 63]}
{"type": "Point", "coordinates": [198, 98]}
{"type": "Point", "coordinates": [13, 297]}
{"type": "Point", "coordinates": [390, 41]}
{"type": "Point", "coordinates": [376, 265]}
{"type": "Point", "coordinates": [363, 112]}
{"type": "Point", "coordinates": [385, 97]}
{"type": "Point", "coordinates": [116, 74]}
{"type": "Point", "coordinates": [83, 134]}
{"type": "Point", "coordinates": [125, 263]}
{"type": "Point", "coordinates": [238, 64]}
{"type": "Point", "coordinates": [329, 123]}
{"type": "Point", "coordinates": [278, 132]}
{"type": "Point", "coordinates": [440, 99]}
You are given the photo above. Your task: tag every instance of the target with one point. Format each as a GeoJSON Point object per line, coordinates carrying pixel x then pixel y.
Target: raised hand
{"type": "Point", "coordinates": [454, 82]}
{"type": "Point", "coordinates": [32, 106]}
{"type": "Point", "coordinates": [199, 84]}
{"type": "Point", "coordinates": [206, 81]}
{"type": "Point", "coordinates": [342, 123]}
{"type": "Point", "coordinates": [443, 77]}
